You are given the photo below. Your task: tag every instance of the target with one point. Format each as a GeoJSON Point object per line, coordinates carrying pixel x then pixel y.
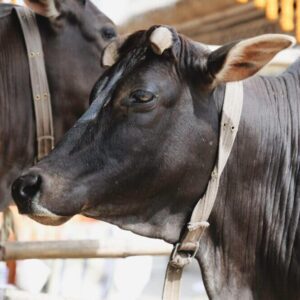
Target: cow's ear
{"type": "Point", "coordinates": [110, 53]}
{"type": "Point", "coordinates": [45, 8]}
{"type": "Point", "coordinates": [240, 60]}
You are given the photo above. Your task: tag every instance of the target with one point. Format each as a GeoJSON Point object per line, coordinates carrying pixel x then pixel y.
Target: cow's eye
{"type": "Point", "coordinates": [141, 96]}
{"type": "Point", "coordinates": [108, 33]}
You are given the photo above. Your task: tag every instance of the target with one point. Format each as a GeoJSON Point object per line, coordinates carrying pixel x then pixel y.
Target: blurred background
{"type": "Point", "coordinates": [213, 22]}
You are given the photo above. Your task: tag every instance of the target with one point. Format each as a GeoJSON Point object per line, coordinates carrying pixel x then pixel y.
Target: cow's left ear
{"type": "Point", "coordinates": [240, 60]}
{"type": "Point", "coordinates": [110, 53]}
{"type": "Point", "coordinates": [46, 8]}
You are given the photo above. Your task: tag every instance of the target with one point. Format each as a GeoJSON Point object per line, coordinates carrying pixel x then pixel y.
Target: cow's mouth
{"type": "Point", "coordinates": [43, 197]}
{"type": "Point", "coordinates": [43, 215]}
{"type": "Point", "coordinates": [27, 193]}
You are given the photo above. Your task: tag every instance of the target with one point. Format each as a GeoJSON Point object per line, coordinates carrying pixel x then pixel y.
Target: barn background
{"type": "Point", "coordinates": [213, 22]}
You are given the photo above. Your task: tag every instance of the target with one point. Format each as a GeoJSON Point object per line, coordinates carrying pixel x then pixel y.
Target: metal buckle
{"type": "Point", "coordinates": [190, 256]}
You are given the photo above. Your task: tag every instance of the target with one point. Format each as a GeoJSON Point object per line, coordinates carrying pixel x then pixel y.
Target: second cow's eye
{"type": "Point", "coordinates": [108, 33]}
{"type": "Point", "coordinates": [141, 96]}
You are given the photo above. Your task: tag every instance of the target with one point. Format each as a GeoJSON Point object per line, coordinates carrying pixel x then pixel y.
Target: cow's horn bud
{"type": "Point", "coordinates": [161, 39]}
{"type": "Point", "coordinates": [110, 54]}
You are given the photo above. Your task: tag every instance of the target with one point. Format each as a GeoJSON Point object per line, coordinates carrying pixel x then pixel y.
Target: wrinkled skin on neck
{"type": "Point", "coordinates": [251, 250]}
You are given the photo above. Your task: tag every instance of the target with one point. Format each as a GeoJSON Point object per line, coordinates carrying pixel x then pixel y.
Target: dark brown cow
{"type": "Point", "coordinates": [73, 35]}
{"type": "Point", "coordinates": [142, 155]}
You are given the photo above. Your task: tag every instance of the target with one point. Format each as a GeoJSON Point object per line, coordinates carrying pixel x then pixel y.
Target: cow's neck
{"type": "Point", "coordinates": [165, 223]}
{"type": "Point", "coordinates": [250, 250]}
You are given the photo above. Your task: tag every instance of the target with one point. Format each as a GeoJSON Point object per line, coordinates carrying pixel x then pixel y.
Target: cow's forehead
{"type": "Point", "coordinates": [106, 85]}
{"type": "Point", "coordinates": [183, 52]}
{"type": "Point", "coordinates": [136, 52]}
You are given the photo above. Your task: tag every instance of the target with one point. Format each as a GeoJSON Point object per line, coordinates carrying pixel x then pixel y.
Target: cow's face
{"type": "Point", "coordinates": [74, 34]}
{"type": "Point", "coordinates": [142, 155]}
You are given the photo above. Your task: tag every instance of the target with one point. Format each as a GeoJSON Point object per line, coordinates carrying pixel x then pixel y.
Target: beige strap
{"type": "Point", "coordinates": [186, 250]}
{"type": "Point", "coordinates": [172, 283]}
{"type": "Point", "coordinates": [39, 82]}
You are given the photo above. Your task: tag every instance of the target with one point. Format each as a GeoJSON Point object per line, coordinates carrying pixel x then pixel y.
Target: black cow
{"type": "Point", "coordinates": [142, 156]}
{"type": "Point", "coordinates": [74, 34]}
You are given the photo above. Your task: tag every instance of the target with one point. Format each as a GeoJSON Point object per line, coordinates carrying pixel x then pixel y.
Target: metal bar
{"type": "Point", "coordinates": [80, 249]}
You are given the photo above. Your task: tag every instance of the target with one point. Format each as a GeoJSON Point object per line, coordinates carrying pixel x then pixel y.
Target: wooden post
{"type": "Point", "coordinates": [287, 15]}
{"type": "Point", "coordinates": [298, 20]}
{"type": "Point", "coordinates": [260, 3]}
{"type": "Point", "coordinates": [272, 10]}
{"type": "Point", "coordinates": [80, 249]}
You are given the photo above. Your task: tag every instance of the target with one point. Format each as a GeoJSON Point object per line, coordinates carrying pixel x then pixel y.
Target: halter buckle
{"type": "Point", "coordinates": [178, 260]}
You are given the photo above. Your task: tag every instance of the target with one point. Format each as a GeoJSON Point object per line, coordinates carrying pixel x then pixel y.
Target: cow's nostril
{"type": "Point", "coordinates": [24, 189]}
{"type": "Point", "coordinates": [32, 186]}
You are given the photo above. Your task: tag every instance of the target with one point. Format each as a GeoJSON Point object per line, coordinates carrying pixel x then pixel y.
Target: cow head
{"type": "Point", "coordinates": [142, 155]}
{"type": "Point", "coordinates": [74, 34]}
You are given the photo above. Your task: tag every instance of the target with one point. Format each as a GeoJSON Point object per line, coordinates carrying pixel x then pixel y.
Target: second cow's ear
{"type": "Point", "coordinates": [240, 60]}
{"type": "Point", "coordinates": [46, 8]}
{"type": "Point", "coordinates": [110, 53]}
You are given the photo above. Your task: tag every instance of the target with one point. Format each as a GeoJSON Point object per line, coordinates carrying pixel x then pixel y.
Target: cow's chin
{"type": "Point", "coordinates": [43, 215]}
{"type": "Point", "coordinates": [49, 220]}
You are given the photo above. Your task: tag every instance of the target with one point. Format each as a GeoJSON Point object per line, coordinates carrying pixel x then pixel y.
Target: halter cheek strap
{"type": "Point", "coordinates": [185, 250]}
{"type": "Point", "coordinates": [39, 82]}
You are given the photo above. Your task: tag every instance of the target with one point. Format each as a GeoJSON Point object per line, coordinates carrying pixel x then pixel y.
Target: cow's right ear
{"type": "Point", "coordinates": [46, 8]}
{"type": "Point", "coordinates": [240, 60]}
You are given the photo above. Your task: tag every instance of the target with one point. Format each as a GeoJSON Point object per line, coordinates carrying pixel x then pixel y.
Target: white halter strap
{"type": "Point", "coordinates": [181, 255]}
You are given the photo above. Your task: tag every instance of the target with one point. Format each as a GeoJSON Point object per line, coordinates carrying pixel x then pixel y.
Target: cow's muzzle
{"type": "Point", "coordinates": [26, 192]}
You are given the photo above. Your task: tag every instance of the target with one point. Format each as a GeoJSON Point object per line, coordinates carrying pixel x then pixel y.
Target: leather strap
{"type": "Point", "coordinates": [39, 82]}
{"type": "Point", "coordinates": [185, 251]}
